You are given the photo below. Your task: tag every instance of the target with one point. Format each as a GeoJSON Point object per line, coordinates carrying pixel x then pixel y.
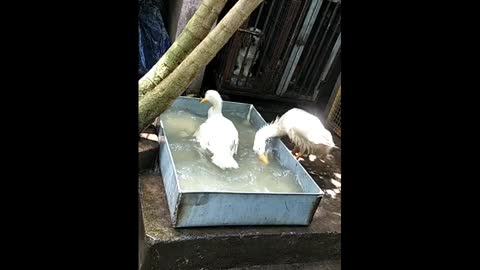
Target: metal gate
{"type": "Point", "coordinates": [287, 49]}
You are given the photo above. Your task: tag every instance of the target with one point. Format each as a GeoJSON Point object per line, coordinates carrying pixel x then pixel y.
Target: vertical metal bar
{"type": "Point", "coordinates": [256, 54]}
{"type": "Point", "coordinates": [272, 31]}
{"type": "Point", "coordinates": [306, 45]}
{"type": "Point", "coordinates": [240, 72]}
{"type": "Point", "coordinates": [284, 34]}
{"type": "Point", "coordinates": [305, 6]}
{"type": "Point", "coordinates": [259, 14]}
{"type": "Point", "coordinates": [321, 61]}
{"type": "Point", "coordinates": [328, 47]}
{"type": "Point", "coordinates": [335, 49]}
{"type": "Point", "coordinates": [319, 49]}
{"type": "Point", "coordinates": [266, 29]}
{"type": "Point", "coordinates": [300, 44]}
{"type": "Point", "coordinates": [242, 66]}
{"type": "Point", "coordinates": [258, 44]}
{"type": "Point", "coordinates": [319, 86]}
{"type": "Point", "coordinates": [267, 20]}
{"type": "Point", "coordinates": [307, 79]}
{"type": "Point", "coordinates": [222, 75]}
{"type": "Point", "coordinates": [232, 53]}
{"type": "Point", "coordinates": [308, 61]}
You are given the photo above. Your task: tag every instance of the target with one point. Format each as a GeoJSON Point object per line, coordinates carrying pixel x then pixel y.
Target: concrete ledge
{"type": "Point", "coordinates": [228, 247]}
{"type": "Point", "coordinates": [325, 265]}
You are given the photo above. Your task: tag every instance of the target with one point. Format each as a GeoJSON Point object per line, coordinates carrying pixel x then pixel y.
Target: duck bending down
{"type": "Point", "coordinates": [218, 134]}
{"type": "Point", "coordinates": [305, 130]}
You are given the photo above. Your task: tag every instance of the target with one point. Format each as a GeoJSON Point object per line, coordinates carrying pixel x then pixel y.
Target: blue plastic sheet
{"type": "Point", "coordinates": [152, 34]}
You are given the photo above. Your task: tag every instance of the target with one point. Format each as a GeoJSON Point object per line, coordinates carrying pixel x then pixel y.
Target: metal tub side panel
{"type": "Point", "coordinates": [230, 209]}
{"type": "Point", "coordinates": [169, 176]}
{"type": "Point", "coordinates": [285, 158]}
{"type": "Point", "coordinates": [190, 104]}
{"type": "Point", "coordinates": [193, 105]}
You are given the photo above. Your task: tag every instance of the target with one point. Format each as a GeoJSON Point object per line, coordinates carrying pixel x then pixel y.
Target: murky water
{"type": "Point", "coordinates": [196, 172]}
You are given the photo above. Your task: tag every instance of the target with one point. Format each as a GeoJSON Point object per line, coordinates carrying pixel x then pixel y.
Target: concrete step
{"type": "Point", "coordinates": [325, 265]}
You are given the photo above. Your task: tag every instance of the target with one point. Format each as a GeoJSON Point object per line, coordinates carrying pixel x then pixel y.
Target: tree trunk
{"type": "Point", "coordinates": [193, 33]}
{"type": "Point", "coordinates": [162, 96]}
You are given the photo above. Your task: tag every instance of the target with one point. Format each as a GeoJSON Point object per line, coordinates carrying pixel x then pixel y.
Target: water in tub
{"type": "Point", "coordinates": [196, 172]}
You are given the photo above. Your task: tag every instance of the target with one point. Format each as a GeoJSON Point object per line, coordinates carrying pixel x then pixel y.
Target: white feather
{"type": "Point", "coordinates": [305, 130]}
{"type": "Point", "coordinates": [218, 134]}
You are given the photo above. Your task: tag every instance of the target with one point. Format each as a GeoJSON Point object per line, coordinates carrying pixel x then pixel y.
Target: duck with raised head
{"type": "Point", "coordinates": [305, 130]}
{"type": "Point", "coordinates": [218, 134]}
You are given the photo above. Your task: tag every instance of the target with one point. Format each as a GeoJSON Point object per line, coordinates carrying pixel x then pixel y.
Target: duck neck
{"type": "Point", "coordinates": [216, 108]}
{"type": "Point", "coordinates": [270, 131]}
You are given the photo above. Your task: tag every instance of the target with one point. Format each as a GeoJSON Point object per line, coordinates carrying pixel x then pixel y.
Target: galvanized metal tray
{"type": "Point", "coordinates": [218, 208]}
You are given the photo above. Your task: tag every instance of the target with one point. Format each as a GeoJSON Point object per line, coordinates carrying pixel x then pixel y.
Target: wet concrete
{"type": "Point", "coordinates": [325, 171]}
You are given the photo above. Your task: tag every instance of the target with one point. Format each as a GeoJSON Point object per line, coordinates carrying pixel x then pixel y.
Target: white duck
{"type": "Point", "coordinates": [218, 134]}
{"type": "Point", "coordinates": [305, 130]}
